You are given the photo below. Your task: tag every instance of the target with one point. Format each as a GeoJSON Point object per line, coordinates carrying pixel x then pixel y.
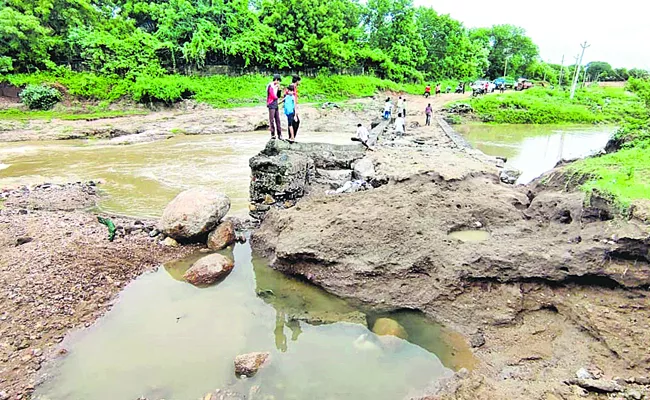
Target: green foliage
{"type": "Point", "coordinates": [40, 97]}
{"type": "Point", "coordinates": [550, 106]}
{"type": "Point", "coordinates": [624, 175]}
{"type": "Point", "coordinates": [506, 42]}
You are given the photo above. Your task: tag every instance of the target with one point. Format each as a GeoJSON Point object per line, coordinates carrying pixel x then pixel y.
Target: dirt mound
{"type": "Point", "coordinates": [535, 290]}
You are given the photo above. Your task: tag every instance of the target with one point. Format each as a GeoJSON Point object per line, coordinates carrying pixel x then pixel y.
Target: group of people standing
{"type": "Point", "coordinates": [275, 97]}
{"type": "Point", "coordinates": [427, 90]}
{"type": "Point", "coordinates": [400, 110]}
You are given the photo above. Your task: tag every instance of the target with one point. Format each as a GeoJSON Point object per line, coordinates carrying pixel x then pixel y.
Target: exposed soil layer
{"type": "Point", "coordinates": [557, 287]}
{"type": "Point", "coordinates": [58, 272]}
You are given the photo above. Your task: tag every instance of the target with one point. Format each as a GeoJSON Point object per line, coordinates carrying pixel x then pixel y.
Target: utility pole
{"type": "Point", "coordinates": [577, 76]}
{"type": "Point", "coordinates": [505, 69]}
{"type": "Point", "coordinates": [561, 72]}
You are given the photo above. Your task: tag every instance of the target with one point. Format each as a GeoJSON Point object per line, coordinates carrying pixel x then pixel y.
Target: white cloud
{"type": "Point", "coordinates": [619, 32]}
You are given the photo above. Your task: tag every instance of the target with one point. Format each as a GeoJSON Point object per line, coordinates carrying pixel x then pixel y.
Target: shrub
{"type": "Point", "coordinates": [40, 97]}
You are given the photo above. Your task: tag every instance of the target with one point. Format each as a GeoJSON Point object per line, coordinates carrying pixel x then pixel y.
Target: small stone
{"type": "Point", "coordinates": [582, 373]}
{"type": "Point", "coordinates": [268, 199]}
{"type": "Point", "coordinates": [248, 364]}
{"type": "Point", "coordinates": [169, 242]}
{"type": "Point", "coordinates": [209, 270]}
{"type": "Point", "coordinates": [154, 232]}
{"type": "Point", "coordinates": [389, 327]}
{"type": "Point", "coordinates": [37, 352]}
{"type": "Point", "coordinates": [222, 237]}
{"type": "Point", "coordinates": [4, 395]}
{"type": "Point", "coordinates": [634, 394]}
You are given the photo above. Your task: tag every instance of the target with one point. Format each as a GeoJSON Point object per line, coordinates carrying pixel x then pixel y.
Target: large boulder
{"type": "Point", "coordinates": [209, 270]}
{"type": "Point", "coordinates": [249, 364]}
{"type": "Point", "coordinates": [364, 169]}
{"type": "Point", "coordinates": [194, 213]}
{"type": "Point", "coordinates": [223, 236]}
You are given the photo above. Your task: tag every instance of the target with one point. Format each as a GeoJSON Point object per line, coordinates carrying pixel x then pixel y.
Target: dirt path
{"type": "Point", "coordinates": [59, 272]}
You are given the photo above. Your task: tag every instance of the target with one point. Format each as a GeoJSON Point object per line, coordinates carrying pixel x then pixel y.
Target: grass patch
{"type": "Point", "coordinates": [624, 175]}
{"type": "Point", "coordinates": [217, 90]}
{"type": "Point", "coordinates": [552, 106]}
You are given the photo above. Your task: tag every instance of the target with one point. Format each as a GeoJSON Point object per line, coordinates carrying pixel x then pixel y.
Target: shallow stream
{"type": "Point", "coordinates": [165, 338]}
{"type": "Point", "coordinates": [535, 149]}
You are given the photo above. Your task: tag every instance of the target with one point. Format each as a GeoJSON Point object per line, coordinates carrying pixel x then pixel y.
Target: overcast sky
{"type": "Point", "coordinates": [618, 31]}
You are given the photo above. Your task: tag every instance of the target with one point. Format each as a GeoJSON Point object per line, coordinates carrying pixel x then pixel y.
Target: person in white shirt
{"type": "Point", "coordinates": [363, 136]}
{"type": "Point", "coordinates": [400, 125]}
{"type": "Point", "coordinates": [400, 105]}
{"type": "Point", "coordinates": [388, 108]}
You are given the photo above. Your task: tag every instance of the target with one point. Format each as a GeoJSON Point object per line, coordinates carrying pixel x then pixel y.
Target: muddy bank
{"type": "Point", "coordinates": [557, 286]}
{"type": "Point", "coordinates": [186, 118]}
{"type": "Point", "coordinates": [58, 272]}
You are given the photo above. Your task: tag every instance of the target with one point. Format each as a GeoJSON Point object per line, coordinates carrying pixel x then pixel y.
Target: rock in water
{"type": "Point", "coordinates": [208, 270]}
{"type": "Point", "coordinates": [194, 213]}
{"type": "Point", "coordinates": [249, 364]}
{"type": "Point", "coordinates": [389, 327]}
{"type": "Point", "coordinates": [222, 237]}
{"type": "Point", "coordinates": [509, 175]}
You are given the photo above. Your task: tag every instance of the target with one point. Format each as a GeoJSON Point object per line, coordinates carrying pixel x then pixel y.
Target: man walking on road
{"type": "Point", "coordinates": [272, 90]}
{"type": "Point", "coordinates": [428, 111]}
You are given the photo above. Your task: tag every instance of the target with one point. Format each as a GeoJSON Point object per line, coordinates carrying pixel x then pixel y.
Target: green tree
{"type": "Point", "coordinates": [24, 42]}
{"type": "Point", "coordinates": [600, 71]}
{"type": "Point", "coordinates": [451, 53]}
{"type": "Point", "coordinates": [313, 33]}
{"type": "Point", "coordinates": [391, 28]}
{"type": "Point", "coordinates": [507, 43]}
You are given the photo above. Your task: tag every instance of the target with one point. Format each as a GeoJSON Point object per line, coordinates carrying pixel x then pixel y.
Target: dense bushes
{"type": "Point", "coordinates": [40, 97]}
{"type": "Point", "coordinates": [217, 90]}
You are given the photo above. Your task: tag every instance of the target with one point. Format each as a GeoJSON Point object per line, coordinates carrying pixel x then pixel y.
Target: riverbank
{"type": "Point", "coordinates": [557, 286]}
{"type": "Point", "coordinates": [58, 272]}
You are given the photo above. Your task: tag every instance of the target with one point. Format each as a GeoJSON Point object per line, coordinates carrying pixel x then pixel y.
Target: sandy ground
{"type": "Point", "coordinates": [59, 272]}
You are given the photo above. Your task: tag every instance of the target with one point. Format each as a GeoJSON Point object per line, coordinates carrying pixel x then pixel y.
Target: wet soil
{"type": "Point", "coordinates": [58, 272]}
{"type": "Point", "coordinates": [557, 287]}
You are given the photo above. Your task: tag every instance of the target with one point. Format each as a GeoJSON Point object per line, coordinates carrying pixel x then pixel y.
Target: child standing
{"type": "Point", "coordinates": [272, 104]}
{"type": "Point", "coordinates": [290, 111]}
{"type": "Point", "coordinates": [388, 107]}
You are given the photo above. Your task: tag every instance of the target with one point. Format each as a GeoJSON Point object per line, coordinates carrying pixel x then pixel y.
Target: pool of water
{"type": "Point", "coordinates": [141, 179]}
{"type": "Point", "coordinates": [470, 235]}
{"type": "Point", "coordinates": [535, 149]}
{"type": "Point", "coordinates": [165, 338]}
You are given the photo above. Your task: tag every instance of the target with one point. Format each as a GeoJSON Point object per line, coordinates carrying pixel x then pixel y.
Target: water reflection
{"type": "Point", "coordinates": [535, 149]}
{"type": "Point", "coordinates": [167, 339]}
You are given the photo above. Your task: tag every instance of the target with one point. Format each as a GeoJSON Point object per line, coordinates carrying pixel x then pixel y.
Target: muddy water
{"type": "Point", "coordinates": [141, 179]}
{"type": "Point", "coordinates": [535, 149]}
{"type": "Point", "coordinates": [167, 339]}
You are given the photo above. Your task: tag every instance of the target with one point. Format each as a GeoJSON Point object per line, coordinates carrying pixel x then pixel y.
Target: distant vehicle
{"type": "Point", "coordinates": [523, 84]}
{"type": "Point", "coordinates": [508, 82]}
{"type": "Point", "coordinates": [478, 87]}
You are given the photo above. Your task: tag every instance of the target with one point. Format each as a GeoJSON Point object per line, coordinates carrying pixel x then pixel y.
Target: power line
{"type": "Point", "coordinates": [577, 74]}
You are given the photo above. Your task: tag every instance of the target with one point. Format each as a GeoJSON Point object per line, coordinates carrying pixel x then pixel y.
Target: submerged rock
{"type": "Point", "coordinates": [222, 237]}
{"type": "Point", "coordinates": [249, 364]}
{"type": "Point", "coordinates": [194, 213]}
{"type": "Point", "coordinates": [509, 175]}
{"type": "Point", "coordinates": [389, 327]}
{"type": "Point", "coordinates": [209, 270]}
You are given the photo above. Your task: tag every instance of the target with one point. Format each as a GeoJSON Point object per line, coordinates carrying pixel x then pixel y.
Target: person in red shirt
{"type": "Point", "coordinates": [427, 91]}
{"type": "Point", "coordinates": [272, 90]}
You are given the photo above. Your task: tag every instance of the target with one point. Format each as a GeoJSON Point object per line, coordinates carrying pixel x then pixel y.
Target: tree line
{"type": "Point", "coordinates": [389, 38]}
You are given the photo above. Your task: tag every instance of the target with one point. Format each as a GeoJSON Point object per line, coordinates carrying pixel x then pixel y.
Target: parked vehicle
{"type": "Point", "coordinates": [523, 84]}
{"type": "Point", "coordinates": [508, 82]}
{"type": "Point", "coordinates": [478, 87]}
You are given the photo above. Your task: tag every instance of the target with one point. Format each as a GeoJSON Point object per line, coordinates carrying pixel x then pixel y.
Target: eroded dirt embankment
{"type": "Point", "coordinates": [554, 289]}
{"type": "Point", "coordinates": [58, 271]}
